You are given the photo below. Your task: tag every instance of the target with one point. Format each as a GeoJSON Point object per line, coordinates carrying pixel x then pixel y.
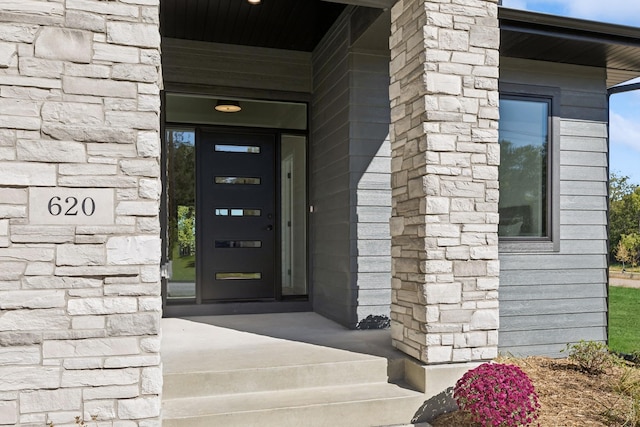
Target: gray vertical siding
{"type": "Point", "coordinates": [552, 298]}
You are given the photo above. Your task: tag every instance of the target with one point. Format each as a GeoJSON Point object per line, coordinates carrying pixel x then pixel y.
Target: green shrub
{"type": "Point", "coordinates": [592, 357]}
{"type": "Point", "coordinates": [621, 414]}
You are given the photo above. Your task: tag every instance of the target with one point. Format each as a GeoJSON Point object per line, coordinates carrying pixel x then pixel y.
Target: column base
{"type": "Point", "coordinates": [436, 382]}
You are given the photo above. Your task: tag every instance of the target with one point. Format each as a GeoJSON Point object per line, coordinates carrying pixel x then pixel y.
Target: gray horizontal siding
{"type": "Point", "coordinates": [533, 323]}
{"type": "Point", "coordinates": [214, 64]}
{"type": "Point", "coordinates": [370, 182]}
{"type": "Point", "coordinates": [552, 298]}
{"type": "Point", "coordinates": [584, 247]}
{"type": "Point", "coordinates": [584, 143]}
{"type": "Point", "coordinates": [350, 179]}
{"type": "Point", "coordinates": [559, 336]}
{"type": "Point", "coordinates": [373, 214]}
{"type": "Point", "coordinates": [557, 277]}
{"type": "Point", "coordinates": [583, 158]}
{"type": "Point", "coordinates": [371, 247]}
{"type": "Point", "coordinates": [583, 173]}
{"type": "Point", "coordinates": [542, 292]}
{"type": "Point", "coordinates": [517, 262]}
{"type": "Point", "coordinates": [584, 188]}
{"type": "Point", "coordinates": [333, 294]}
{"type": "Point", "coordinates": [585, 203]}
{"type": "Point", "coordinates": [582, 217]}
{"type": "Point", "coordinates": [562, 305]}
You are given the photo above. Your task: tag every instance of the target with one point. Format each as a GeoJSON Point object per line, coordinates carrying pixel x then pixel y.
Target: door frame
{"type": "Point", "coordinates": [191, 307]}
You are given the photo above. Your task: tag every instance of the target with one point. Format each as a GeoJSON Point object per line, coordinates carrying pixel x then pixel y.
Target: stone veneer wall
{"type": "Point", "coordinates": [445, 156]}
{"type": "Point", "coordinates": [79, 295]}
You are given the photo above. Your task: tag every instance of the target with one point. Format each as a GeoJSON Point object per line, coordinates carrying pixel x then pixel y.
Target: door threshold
{"type": "Point", "coordinates": [258, 307]}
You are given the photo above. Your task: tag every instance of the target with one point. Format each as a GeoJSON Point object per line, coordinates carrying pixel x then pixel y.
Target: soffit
{"type": "Point", "coordinates": [280, 24]}
{"type": "Point", "coordinates": [538, 36]}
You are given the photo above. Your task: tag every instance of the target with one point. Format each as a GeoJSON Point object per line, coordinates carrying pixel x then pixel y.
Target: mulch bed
{"type": "Point", "coordinates": [568, 397]}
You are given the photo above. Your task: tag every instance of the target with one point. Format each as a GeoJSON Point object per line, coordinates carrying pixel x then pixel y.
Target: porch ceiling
{"type": "Point", "coordinates": [551, 38]}
{"type": "Point", "coordinates": [281, 24]}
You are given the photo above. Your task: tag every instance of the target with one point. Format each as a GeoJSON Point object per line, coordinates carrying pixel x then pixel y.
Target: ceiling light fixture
{"type": "Point", "coordinates": [254, 1]}
{"type": "Point", "coordinates": [227, 106]}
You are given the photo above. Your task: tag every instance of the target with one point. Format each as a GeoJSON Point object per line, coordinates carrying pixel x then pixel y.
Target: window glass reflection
{"type": "Point", "coordinates": [238, 244]}
{"type": "Point", "coordinates": [239, 180]}
{"type": "Point", "coordinates": [181, 189]}
{"type": "Point", "coordinates": [524, 147]}
{"type": "Point", "coordinates": [238, 212]}
{"type": "Point", "coordinates": [237, 149]}
{"type": "Point", "coordinates": [238, 276]}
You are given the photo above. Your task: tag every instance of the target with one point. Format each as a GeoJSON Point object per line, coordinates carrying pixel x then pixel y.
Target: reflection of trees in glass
{"type": "Point", "coordinates": [181, 192]}
{"type": "Point", "coordinates": [186, 230]}
{"type": "Point", "coordinates": [523, 189]}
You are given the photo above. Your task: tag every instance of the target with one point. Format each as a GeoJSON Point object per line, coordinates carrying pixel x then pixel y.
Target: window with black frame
{"type": "Point", "coordinates": [524, 137]}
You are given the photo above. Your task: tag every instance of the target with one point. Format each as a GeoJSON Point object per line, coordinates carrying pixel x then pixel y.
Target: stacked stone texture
{"type": "Point", "coordinates": [444, 134]}
{"type": "Point", "coordinates": [80, 304]}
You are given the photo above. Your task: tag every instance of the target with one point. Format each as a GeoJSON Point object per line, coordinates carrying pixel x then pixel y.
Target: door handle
{"type": "Point", "coordinates": [269, 227]}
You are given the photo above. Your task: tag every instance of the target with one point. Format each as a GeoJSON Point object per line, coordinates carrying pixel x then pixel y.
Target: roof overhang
{"type": "Point", "coordinates": [532, 35]}
{"type": "Point", "coordinates": [378, 4]}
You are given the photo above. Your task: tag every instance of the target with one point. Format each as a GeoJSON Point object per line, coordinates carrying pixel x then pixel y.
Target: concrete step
{"type": "Point", "coordinates": [221, 376]}
{"type": "Point", "coordinates": [362, 405]}
{"type": "Point", "coordinates": [302, 375]}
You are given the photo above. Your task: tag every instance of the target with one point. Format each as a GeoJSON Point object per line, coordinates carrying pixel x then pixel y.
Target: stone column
{"type": "Point", "coordinates": [79, 197]}
{"type": "Point", "coordinates": [444, 136]}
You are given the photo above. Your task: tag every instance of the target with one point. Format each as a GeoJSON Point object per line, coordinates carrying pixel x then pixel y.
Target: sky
{"type": "Point", "coordinates": [624, 154]}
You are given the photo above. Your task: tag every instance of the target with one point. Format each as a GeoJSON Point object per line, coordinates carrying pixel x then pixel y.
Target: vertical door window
{"type": "Point", "coordinates": [181, 191]}
{"type": "Point", "coordinates": [293, 214]}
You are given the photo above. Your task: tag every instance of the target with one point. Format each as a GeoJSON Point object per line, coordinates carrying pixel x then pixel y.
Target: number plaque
{"type": "Point", "coordinates": [71, 206]}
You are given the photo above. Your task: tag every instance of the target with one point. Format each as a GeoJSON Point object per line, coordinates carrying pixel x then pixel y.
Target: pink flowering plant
{"type": "Point", "coordinates": [497, 395]}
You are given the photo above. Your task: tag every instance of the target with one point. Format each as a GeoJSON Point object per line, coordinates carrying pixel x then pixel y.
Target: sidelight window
{"type": "Point", "coordinates": [528, 173]}
{"type": "Point", "coordinates": [524, 159]}
{"type": "Point", "coordinates": [181, 205]}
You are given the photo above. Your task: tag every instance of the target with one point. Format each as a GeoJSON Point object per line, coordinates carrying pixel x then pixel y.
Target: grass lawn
{"type": "Point", "coordinates": [184, 267]}
{"type": "Point", "coordinates": [624, 319]}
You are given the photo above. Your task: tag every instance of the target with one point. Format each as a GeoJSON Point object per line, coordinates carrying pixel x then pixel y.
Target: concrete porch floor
{"type": "Point", "coordinates": [307, 327]}
{"type": "Point", "coordinates": [212, 349]}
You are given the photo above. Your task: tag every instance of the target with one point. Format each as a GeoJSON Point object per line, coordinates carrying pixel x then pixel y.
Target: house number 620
{"type": "Point", "coordinates": [71, 206]}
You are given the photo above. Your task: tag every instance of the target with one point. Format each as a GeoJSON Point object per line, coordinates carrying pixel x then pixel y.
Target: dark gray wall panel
{"type": "Point", "coordinates": [214, 64]}
{"type": "Point", "coordinates": [330, 194]}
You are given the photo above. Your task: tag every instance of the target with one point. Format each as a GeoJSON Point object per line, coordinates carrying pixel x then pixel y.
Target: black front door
{"type": "Point", "coordinates": [237, 218]}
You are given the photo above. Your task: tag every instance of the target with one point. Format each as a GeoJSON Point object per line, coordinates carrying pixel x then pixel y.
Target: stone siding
{"type": "Point", "coordinates": [445, 157]}
{"type": "Point", "coordinates": [79, 285]}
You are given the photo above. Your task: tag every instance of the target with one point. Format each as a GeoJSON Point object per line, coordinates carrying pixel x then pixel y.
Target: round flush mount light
{"type": "Point", "coordinates": [254, 1]}
{"type": "Point", "coordinates": [227, 106]}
